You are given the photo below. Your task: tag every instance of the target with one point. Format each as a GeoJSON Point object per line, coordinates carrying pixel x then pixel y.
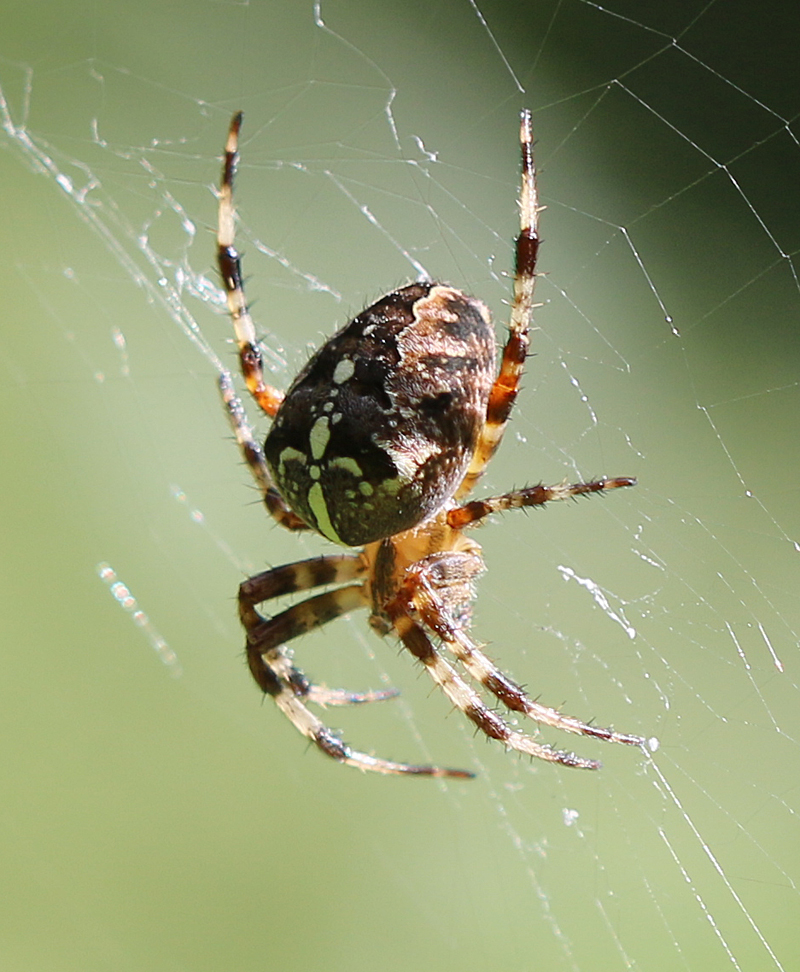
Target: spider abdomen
{"type": "Point", "coordinates": [376, 432]}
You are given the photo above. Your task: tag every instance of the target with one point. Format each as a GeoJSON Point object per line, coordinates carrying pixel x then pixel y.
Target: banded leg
{"type": "Point", "coordinates": [467, 699]}
{"type": "Point", "coordinates": [267, 397]}
{"type": "Point", "coordinates": [330, 744]}
{"type": "Point", "coordinates": [473, 512]}
{"type": "Point", "coordinates": [304, 575]}
{"type": "Point", "coordinates": [506, 386]}
{"type": "Point", "coordinates": [301, 576]}
{"type": "Point", "coordinates": [432, 611]}
{"type": "Point", "coordinates": [253, 455]}
{"type": "Point", "coordinates": [277, 676]}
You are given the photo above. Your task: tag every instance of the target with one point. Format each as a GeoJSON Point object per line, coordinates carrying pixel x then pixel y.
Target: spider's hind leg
{"type": "Point", "coordinates": [266, 397]}
{"type": "Point", "coordinates": [506, 386]}
{"type": "Point", "coordinates": [253, 455]}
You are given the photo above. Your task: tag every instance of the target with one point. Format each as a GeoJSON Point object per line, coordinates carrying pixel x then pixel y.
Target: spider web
{"type": "Point", "coordinates": [158, 814]}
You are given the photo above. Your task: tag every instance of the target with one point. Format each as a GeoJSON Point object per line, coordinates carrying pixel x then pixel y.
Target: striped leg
{"type": "Point", "coordinates": [429, 606]}
{"type": "Point", "coordinates": [278, 582]}
{"type": "Point", "coordinates": [474, 512]}
{"type": "Point", "coordinates": [267, 397]}
{"type": "Point", "coordinates": [506, 386]}
{"type": "Point", "coordinates": [253, 455]}
{"type": "Point", "coordinates": [274, 671]}
{"type": "Point", "coordinates": [466, 699]}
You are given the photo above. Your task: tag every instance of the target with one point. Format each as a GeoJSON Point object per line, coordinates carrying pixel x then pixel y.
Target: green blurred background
{"type": "Point", "coordinates": [158, 816]}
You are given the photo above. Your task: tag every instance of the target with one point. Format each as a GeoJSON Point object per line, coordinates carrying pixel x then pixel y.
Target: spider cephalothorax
{"type": "Point", "coordinates": [376, 445]}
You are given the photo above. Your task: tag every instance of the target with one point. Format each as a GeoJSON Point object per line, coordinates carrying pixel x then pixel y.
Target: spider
{"type": "Point", "coordinates": [376, 446]}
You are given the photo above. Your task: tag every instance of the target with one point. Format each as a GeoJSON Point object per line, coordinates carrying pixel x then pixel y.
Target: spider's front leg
{"type": "Point", "coordinates": [424, 602]}
{"type": "Point", "coordinates": [269, 664]}
{"type": "Point", "coordinates": [277, 676]}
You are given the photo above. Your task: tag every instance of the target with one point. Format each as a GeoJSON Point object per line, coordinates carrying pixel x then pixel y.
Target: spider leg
{"type": "Point", "coordinates": [267, 397]}
{"type": "Point", "coordinates": [506, 385]}
{"type": "Point", "coordinates": [330, 744]}
{"type": "Point", "coordinates": [270, 665]}
{"type": "Point", "coordinates": [473, 512]}
{"type": "Point", "coordinates": [434, 614]}
{"type": "Point", "coordinates": [467, 699]}
{"type": "Point", "coordinates": [302, 576]}
{"type": "Point", "coordinates": [253, 455]}
{"type": "Point", "coordinates": [276, 674]}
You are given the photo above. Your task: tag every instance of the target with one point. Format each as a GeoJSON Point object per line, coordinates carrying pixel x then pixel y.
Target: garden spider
{"type": "Point", "coordinates": [376, 445]}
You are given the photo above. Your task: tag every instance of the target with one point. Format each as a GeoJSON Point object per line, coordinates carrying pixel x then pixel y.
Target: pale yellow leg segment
{"type": "Point", "coordinates": [506, 386]}
{"type": "Point", "coordinates": [267, 397]}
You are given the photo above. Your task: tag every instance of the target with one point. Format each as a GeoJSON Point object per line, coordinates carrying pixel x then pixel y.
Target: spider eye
{"type": "Point", "coordinates": [377, 431]}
